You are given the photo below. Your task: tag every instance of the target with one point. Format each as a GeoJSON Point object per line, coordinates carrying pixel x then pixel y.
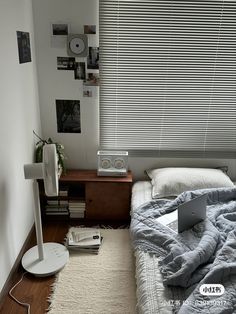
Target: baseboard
{"type": "Point", "coordinates": [16, 267]}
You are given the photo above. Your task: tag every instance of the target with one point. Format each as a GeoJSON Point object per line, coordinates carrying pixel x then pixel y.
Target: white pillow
{"type": "Point", "coordinates": [168, 182]}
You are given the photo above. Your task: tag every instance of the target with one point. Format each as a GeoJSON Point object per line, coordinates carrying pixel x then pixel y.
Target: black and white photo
{"type": "Point", "coordinates": [87, 91]}
{"type": "Point", "coordinates": [65, 63]}
{"type": "Point", "coordinates": [60, 29]}
{"type": "Point", "coordinates": [89, 29]}
{"type": "Point", "coordinates": [92, 79]}
{"type": "Point", "coordinates": [80, 71]}
{"type": "Point", "coordinates": [23, 40]}
{"type": "Point", "coordinates": [68, 116]}
{"type": "Point", "coordinates": [93, 58]}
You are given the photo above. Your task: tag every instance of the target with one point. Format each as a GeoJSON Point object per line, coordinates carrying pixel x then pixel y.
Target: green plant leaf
{"type": "Point", "coordinates": [59, 148]}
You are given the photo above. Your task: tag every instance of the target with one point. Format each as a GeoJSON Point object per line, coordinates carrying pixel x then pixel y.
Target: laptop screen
{"type": "Point", "coordinates": [187, 215]}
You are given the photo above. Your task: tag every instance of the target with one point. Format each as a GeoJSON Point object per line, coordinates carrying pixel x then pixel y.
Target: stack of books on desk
{"type": "Point", "coordinates": [56, 207]}
{"type": "Point", "coordinates": [86, 240]}
{"type": "Point", "coordinates": [77, 208]}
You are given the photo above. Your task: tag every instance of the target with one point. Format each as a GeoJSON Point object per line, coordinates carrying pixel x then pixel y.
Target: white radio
{"type": "Point", "coordinates": [112, 163]}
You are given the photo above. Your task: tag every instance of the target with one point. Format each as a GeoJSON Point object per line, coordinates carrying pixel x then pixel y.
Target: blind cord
{"type": "Point", "coordinates": [26, 305]}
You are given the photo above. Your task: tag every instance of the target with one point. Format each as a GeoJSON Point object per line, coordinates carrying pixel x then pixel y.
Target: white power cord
{"type": "Point", "coordinates": [26, 305]}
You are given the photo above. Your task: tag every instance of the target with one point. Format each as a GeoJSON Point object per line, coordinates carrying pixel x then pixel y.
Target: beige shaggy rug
{"type": "Point", "coordinates": [101, 284]}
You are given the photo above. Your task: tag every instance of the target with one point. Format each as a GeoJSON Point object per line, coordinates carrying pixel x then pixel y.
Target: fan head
{"type": "Point", "coordinates": [50, 166]}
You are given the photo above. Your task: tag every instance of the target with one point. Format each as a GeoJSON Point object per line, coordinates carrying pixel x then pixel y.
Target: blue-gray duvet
{"type": "Point", "coordinates": [205, 254]}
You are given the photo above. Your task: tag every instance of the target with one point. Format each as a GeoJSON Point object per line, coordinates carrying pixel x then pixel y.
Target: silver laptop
{"type": "Point", "coordinates": [186, 215]}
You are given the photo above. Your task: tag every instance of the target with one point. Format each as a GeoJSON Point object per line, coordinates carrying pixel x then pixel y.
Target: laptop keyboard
{"type": "Point", "coordinates": [173, 225]}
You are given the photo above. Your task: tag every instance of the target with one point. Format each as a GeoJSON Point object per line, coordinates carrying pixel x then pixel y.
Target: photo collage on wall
{"type": "Point", "coordinates": [87, 71]}
{"type": "Point", "coordinates": [85, 68]}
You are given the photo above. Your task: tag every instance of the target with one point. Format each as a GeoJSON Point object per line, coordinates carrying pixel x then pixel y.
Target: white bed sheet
{"type": "Point", "coordinates": [141, 193]}
{"type": "Point", "coordinates": [152, 297]}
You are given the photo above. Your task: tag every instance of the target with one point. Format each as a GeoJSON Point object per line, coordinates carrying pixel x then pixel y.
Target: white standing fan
{"type": "Point", "coordinates": [44, 259]}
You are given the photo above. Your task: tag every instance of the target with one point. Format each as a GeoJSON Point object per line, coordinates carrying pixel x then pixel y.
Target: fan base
{"type": "Point", "coordinates": [55, 257]}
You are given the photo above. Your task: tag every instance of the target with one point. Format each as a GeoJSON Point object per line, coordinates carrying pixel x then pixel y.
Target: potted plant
{"type": "Point", "coordinates": [59, 149]}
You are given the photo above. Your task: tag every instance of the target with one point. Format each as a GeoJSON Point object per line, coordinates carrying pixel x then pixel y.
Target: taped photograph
{"type": "Point", "coordinates": [89, 29]}
{"type": "Point", "coordinates": [92, 79]}
{"type": "Point", "coordinates": [80, 71]}
{"type": "Point", "coordinates": [65, 63]}
{"type": "Point", "coordinates": [60, 29]}
{"type": "Point", "coordinates": [68, 116]}
{"type": "Point", "coordinates": [93, 58]}
{"type": "Point", "coordinates": [23, 40]}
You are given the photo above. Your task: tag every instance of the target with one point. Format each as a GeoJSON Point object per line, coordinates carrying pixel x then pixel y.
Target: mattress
{"type": "Point", "coordinates": [141, 193]}
{"type": "Point", "coordinates": [152, 297]}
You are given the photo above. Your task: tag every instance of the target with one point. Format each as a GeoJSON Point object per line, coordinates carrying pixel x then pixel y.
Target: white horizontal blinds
{"type": "Point", "coordinates": [168, 76]}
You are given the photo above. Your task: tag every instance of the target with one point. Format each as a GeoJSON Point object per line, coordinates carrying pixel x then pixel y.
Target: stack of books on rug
{"type": "Point", "coordinates": [77, 208]}
{"type": "Point", "coordinates": [56, 207]}
{"type": "Point", "coordinates": [86, 240]}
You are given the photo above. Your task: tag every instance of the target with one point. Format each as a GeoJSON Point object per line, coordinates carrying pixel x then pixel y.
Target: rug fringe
{"type": "Point", "coordinates": [101, 226]}
{"type": "Point", "coordinates": [51, 297]}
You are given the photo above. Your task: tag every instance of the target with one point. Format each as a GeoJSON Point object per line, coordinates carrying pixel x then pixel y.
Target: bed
{"type": "Point", "coordinates": [159, 287]}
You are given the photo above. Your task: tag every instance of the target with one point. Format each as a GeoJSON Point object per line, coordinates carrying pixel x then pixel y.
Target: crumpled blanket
{"type": "Point", "coordinates": [203, 254]}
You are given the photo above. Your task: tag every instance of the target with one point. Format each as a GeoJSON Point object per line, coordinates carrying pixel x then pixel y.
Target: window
{"type": "Point", "coordinates": [168, 77]}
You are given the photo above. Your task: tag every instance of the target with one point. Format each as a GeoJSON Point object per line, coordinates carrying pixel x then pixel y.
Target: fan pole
{"type": "Point", "coordinates": [38, 222]}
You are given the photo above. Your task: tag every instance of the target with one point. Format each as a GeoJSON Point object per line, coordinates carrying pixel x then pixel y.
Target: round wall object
{"type": "Point", "coordinates": [77, 45]}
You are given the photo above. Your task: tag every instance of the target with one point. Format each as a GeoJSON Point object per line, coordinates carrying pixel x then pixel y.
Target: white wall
{"type": "Point", "coordinates": [81, 148]}
{"type": "Point", "coordinates": [59, 84]}
{"type": "Point", "coordinates": [19, 116]}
